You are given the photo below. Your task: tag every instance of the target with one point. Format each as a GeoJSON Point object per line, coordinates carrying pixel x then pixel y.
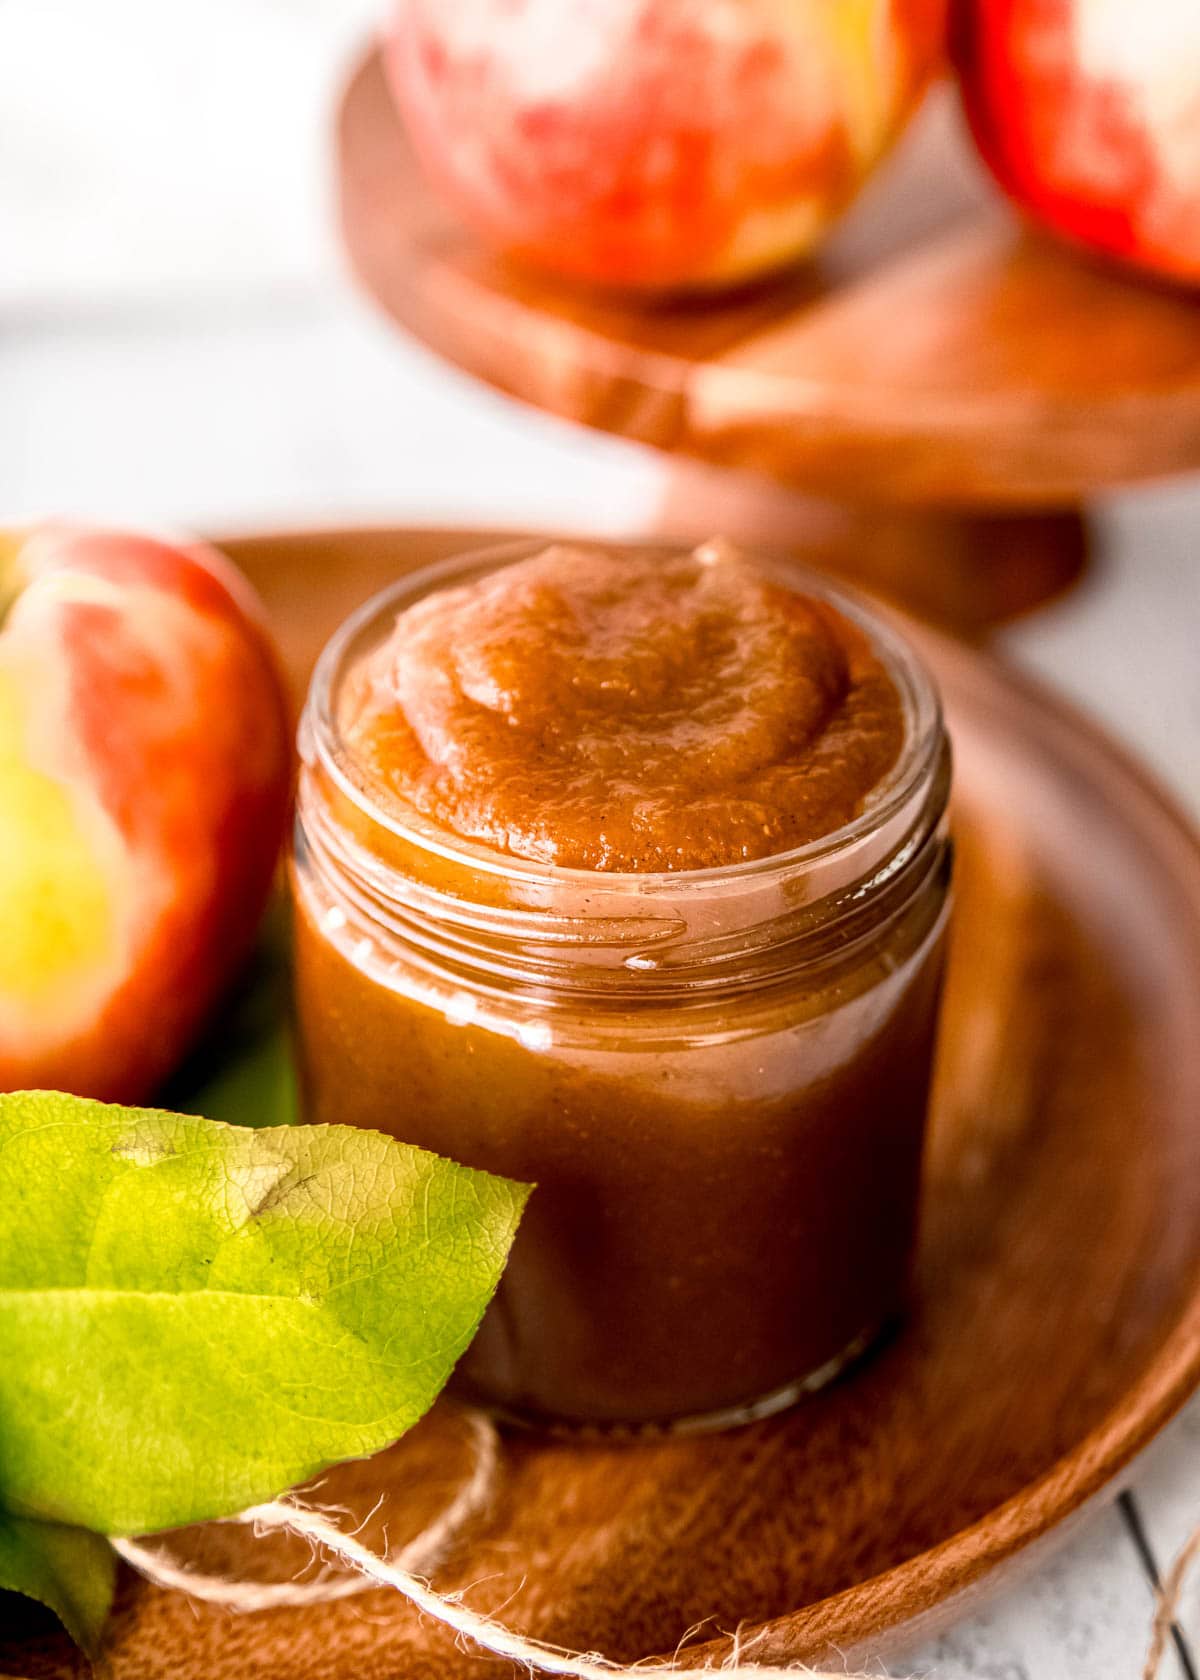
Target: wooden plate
{"type": "Point", "coordinates": [1058, 1316]}
{"type": "Point", "coordinates": [931, 354]}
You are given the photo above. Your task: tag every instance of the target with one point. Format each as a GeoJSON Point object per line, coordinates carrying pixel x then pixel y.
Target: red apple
{"type": "Point", "coordinates": [1088, 113]}
{"type": "Point", "coordinates": [144, 783]}
{"type": "Point", "coordinates": [657, 143]}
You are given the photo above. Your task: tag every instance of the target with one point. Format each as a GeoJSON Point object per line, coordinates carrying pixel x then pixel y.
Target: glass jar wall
{"type": "Point", "coordinates": [717, 1078]}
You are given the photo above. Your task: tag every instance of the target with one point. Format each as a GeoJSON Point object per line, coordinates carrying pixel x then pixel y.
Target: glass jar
{"type": "Point", "coordinates": [717, 1079]}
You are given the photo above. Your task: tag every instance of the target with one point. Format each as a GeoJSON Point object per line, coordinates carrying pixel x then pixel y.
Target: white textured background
{"type": "Point", "coordinates": [179, 345]}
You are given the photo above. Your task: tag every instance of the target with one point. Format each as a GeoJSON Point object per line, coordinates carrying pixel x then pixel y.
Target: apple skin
{"type": "Point", "coordinates": [657, 144]}
{"type": "Point", "coordinates": [1088, 114]}
{"type": "Point", "coordinates": [145, 771]}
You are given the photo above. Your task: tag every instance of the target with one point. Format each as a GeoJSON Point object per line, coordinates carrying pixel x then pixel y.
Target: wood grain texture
{"type": "Point", "coordinates": [969, 573]}
{"type": "Point", "coordinates": [933, 352]}
{"type": "Point", "coordinates": [1056, 1323]}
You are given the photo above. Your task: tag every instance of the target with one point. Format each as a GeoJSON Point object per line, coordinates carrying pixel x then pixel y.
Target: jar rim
{"type": "Point", "coordinates": [916, 763]}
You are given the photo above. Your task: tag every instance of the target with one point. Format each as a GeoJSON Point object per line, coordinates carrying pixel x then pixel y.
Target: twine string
{"type": "Point", "coordinates": [1166, 1607]}
{"type": "Point", "coordinates": [420, 1556]}
{"type": "Point", "coordinates": [406, 1572]}
{"type": "Point", "coordinates": [482, 1630]}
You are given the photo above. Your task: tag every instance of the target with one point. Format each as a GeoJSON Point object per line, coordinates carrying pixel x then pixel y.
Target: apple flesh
{"type": "Point", "coordinates": [657, 144]}
{"type": "Point", "coordinates": [144, 788]}
{"type": "Point", "coordinates": [1088, 114]}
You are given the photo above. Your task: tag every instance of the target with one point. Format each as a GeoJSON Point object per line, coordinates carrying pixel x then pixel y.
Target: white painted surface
{"type": "Point", "coordinates": [178, 346]}
{"type": "Point", "coordinates": [282, 410]}
{"type": "Point", "coordinates": [1083, 1614]}
{"type": "Point", "coordinates": [1127, 643]}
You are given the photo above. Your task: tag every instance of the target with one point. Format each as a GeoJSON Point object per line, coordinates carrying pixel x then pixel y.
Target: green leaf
{"type": "Point", "coordinates": [67, 1569]}
{"type": "Point", "coordinates": [196, 1316]}
{"type": "Point", "coordinates": [253, 1085]}
{"type": "Point", "coordinates": [243, 1070]}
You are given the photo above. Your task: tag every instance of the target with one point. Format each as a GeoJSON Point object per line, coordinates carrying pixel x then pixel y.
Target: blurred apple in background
{"type": "Point", "coordinates": [657, 144]}
{"type": "Point", "coordinates": [1088, 112]}
{"type": "Point", "coordinates": [144, 786]}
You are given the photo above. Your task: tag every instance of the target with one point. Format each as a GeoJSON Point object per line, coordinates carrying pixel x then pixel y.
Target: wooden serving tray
{"type": "Point", "coordinates": [931, 353]}
{"type": "Point", "coordinates": [1057, 1321]}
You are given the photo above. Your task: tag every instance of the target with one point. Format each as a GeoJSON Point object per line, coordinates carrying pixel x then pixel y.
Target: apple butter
{"type": "Point", "coordinates": [624, 871]}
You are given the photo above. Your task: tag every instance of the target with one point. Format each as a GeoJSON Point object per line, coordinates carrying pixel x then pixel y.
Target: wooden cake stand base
{"type": "Point", "coordinates": [931, 356]}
